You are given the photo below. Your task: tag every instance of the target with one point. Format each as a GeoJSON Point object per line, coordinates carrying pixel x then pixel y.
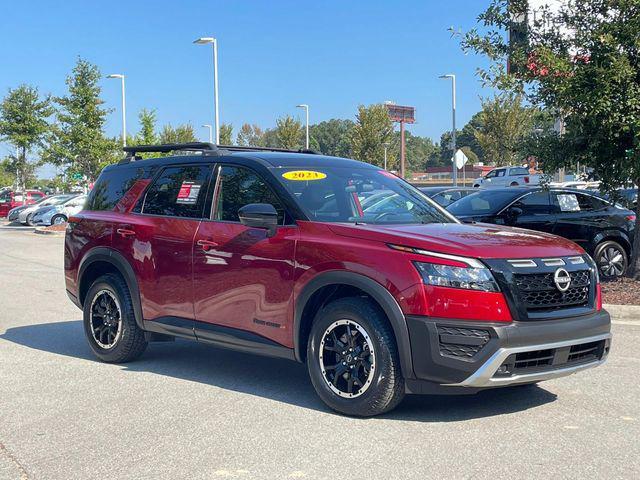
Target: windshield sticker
{"type": "Point", "coordinates": [188, 193]}
{"type": "Point", "coordinates": [304, 175]}
{"type": "Point", "coordinates": [568, 203]}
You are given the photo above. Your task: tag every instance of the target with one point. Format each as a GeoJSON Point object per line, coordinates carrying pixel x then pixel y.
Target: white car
{"type": "Point", "coordinates": [507, 177]}
{"type": "Point", "coordinates": [58, 214]}
{"type": "Point", "coordinates": [26, 214]}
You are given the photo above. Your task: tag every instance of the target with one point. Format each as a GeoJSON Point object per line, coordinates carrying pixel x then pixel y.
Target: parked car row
{"type": "Point", "coordinates": [52, 210]}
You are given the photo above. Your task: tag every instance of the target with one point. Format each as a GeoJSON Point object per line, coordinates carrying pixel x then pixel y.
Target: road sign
{"type": "Point", "coordinates": [76, 176]}
{"type": "Point", "coordinates": [461, 159]}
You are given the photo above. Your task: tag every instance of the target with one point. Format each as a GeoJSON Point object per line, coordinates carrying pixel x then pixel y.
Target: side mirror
{"type": "Point", "coordinates": [259, 215]}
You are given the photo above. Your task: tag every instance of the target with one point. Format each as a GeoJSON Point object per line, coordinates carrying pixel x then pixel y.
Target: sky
{"type": "Point", "coordinates": [273, 55]}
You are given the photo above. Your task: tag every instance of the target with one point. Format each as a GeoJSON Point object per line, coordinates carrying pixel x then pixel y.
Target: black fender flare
{"type": "Point", "coordinates": [614, 235]}
{"type": "Point", "coordinates": [109, 255]}
{"type": "Point", "coordinates": [380, 294]}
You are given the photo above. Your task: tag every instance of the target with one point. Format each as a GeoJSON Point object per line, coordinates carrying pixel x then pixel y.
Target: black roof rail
{"type": "Point", "coordinates": [204, 147]}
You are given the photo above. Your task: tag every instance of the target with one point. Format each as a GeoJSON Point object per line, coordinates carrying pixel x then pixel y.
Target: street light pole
{"type": "Point", "coordinates": [206, 125]}
{"type": "Point", "coordinates": [306, 108]}
{"type": "Point", "coordinates": [453, 131]}
{"type": "Point", "coordinates": [214, 43]}
{"type": "Point", "coordinates": [124, 108]}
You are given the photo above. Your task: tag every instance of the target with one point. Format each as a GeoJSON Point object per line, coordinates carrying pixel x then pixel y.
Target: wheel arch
{"type": "Point", "coordinates": [614, 236]}
{"type": "Point", "coordinates": [102, 260]}
{"type": "Point", "coordinates": [337, 284]}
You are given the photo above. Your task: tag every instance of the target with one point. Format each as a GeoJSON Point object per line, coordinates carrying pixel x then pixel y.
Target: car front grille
{"type": "Point", "coordinates": [538, 291]}
{"type": "Point", "coordinates": [554, 358]}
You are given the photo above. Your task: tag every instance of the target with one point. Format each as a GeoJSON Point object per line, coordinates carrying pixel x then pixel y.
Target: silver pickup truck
{"type": "Point", "coordinates": [507, 177]}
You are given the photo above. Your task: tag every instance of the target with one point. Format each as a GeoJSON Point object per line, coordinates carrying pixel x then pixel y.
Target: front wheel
{"type": "Point", "coordinates": [58, 220]}
{"type": "Point", "coordinates": [612, 259]}
{"type": "Point", "coordinates": [109, 321]}
{"type": "Point", "coordinates": [30, 220]}
{"type": "Point", "coordinates": [353, 360]}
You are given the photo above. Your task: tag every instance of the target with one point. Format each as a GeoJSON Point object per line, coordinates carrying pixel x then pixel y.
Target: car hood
{"type": "Point", "coordinates": [477, 240]}
{"type": "Point", "coordinates": [43, 210]}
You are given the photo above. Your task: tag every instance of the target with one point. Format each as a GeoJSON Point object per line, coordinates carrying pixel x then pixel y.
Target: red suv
{"type": "Point", "coordinates": [331, 262]}
{"type": "Point", "coordinates": [10, 199]}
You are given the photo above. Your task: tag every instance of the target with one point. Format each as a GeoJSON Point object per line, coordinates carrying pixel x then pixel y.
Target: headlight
{"type": "Point", "coordinates": [457, 277]}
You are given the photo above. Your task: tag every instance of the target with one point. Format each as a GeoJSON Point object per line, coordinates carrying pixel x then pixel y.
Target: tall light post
{"type": "Point", "coordinates": [306, 108]}
{"type": "Point", "coordinates": [453, 131]}
{"type": "Point", "coordinates": [214, 43]}
{"type": "Point", "coordinates": [385, 145]}
{"type": "Point", "coordinates": [124, 108]}
{"type": "Point", "coordinates": [210, 127]}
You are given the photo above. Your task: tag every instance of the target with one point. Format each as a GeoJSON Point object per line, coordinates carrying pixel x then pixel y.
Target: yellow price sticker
{"type": "Point", "coordinates": [303, 175]}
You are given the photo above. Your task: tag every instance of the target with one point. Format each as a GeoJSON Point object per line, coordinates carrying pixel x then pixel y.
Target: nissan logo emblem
{"type": "Point", "coordinates": [562, 279]}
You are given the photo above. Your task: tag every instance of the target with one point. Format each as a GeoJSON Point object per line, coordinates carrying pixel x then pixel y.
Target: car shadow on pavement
{"type": "Point", "coordinates": [272, 378]}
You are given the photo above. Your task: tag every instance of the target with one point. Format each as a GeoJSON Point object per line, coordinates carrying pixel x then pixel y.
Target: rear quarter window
{"type": "Point", "coordinates": [111, 186]}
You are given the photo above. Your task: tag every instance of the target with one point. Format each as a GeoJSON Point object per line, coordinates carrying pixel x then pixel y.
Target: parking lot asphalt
{"type": "Point", "coordinates": [191, 411]}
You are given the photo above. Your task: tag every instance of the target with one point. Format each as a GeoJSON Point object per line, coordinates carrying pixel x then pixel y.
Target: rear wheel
{"type": "Point", "coordinates": [612, 259]}
{"type": "Point", "coordinates": [30, 219]}
{"type": "Point", "coordinates": [514, 184]}
{"type": "Point", "coordinates": [109, 321]}
{"type": "Point", "coordinates": [353, 359]}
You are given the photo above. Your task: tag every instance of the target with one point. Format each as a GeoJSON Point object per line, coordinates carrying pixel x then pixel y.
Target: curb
{"type": "Point", "coordinates": [42, 231]}
{"type": "Point", "coordinates": [629, 313]}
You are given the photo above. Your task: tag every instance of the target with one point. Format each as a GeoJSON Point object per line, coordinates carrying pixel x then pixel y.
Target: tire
{"type": "Point", "coordinates": [612, 259]}
{"type": "Point", "coordinates": [125, 341]}
{"type": "Point", "coordinates": [58, 220]}
{"type": "Point", "coordinates": [382, 388]}
{"type": "Point", "coordinates": [514, 184]}
{"type": "Point", "coordinates": [476, 186]}
{"type": "Point", "coordinates": [30, 220]}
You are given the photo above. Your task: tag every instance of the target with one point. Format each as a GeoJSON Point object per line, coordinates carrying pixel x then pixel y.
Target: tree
{"type": "Point", "coordinates": [373, 128]}
{"type": "Point", "coordinates": [250, 136]}
{"type": "Point", "coordinates": [331, 137]}
{"type": "Point", "coordinates": [418, 151]}
{"type": "Point", "coordinates": [147, 134]}
{"type": "Point", "coordinates": [7, 173]}
{"type": "Point", "coordinates": [226, 134]}
{"type": "Point", "coordinates": [24, 124]}
{"type": "Point", "coordinates": [503, 124]}
{"type": "Point", "coordinates": [289, 133]}
{"type": "Point", "coordinates": [77, 141]}
{"type": "Point", "coordinates": [590, 78]}
{"type": "Point", "coordinates": [180, 134]}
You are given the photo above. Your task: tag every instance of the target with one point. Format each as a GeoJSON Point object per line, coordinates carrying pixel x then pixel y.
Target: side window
{"type": "Point", "coordinates": [491, 174]}
{"type": "Point", "coordinates": [535, 203]}
{"type": "Point", "coordinates": [239, 186]}
{"type": "Point", "coordinates": [500, 173]}
{"type": "Point", "coordinates": [178, 192]}
{"type": "Point", "coordinates": [111, 187]}
{"type": "Point", "coordinates": [566, 202]}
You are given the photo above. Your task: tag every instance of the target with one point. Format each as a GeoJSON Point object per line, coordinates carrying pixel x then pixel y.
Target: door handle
{"type": "Point", "coordinates": [124, 233]}
{"type": "Point", "coordinates": [206, 244]}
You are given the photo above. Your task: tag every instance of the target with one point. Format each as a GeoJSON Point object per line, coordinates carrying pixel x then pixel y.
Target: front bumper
{"type": "Point", "coordinates": [459, 355]}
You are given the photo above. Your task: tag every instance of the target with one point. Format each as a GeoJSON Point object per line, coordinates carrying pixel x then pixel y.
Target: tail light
{"type": "Point", "coordinates": [526, 179]}
{"type": "Point", "coordinates": [631, 218]}
{"type": "Point", "coordinates": [598, 297]}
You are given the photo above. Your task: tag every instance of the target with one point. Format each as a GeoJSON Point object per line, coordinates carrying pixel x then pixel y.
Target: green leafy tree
{"type": "Point", "coordinates": [331, 137]}
{"type": "Point", "coordinates": [147, 134]}
{"type": "Point", "coordinates": [77, 142]}
{"type": "Point", "coordinates": [373, 128]}
{"type": "Point", "coordinates": [179, 134]}
{"type": "Point", "coordinates": [250, 136]}
{"type": "Point", "coordinates": [418, 151]}
{"type": "Point", "coordinates": [226, 134]}
{"type": "Point", "coordinates": [289, 133]}
{"type": "Point", "coordinates": [7, 173]}
{"type": "Point", "coordinates": [504, 122]}
{"type": "Point", "coordinates": [585, 68]}
{"type": "Point", "coordinates": [24, 124]}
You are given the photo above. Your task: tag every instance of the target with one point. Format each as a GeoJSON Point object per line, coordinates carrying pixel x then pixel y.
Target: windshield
{"type": "Point", "coordinates": [362, 195]}
{"type": "Point", "coordinates": [481, 203]}
{"type": "Point", "coordinates": [58, 200]}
